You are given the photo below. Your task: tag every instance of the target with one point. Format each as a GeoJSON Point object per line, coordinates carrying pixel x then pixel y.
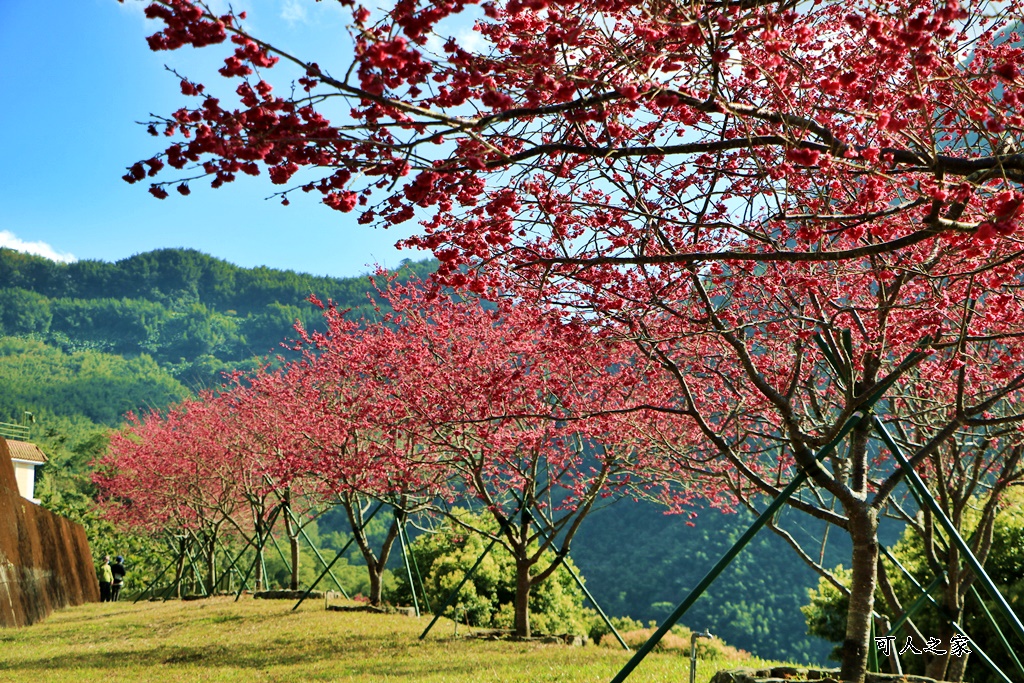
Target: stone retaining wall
{"type": "Point", "coordinates": [45, 561]}
{"type": "Point", "coordinates": [789, 674]}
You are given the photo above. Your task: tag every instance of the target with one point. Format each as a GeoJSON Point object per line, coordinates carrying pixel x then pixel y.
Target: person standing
{"type": "Point", "coordinates": [117, 572]}
{"type": "Point", "coordinates": [106, 579]}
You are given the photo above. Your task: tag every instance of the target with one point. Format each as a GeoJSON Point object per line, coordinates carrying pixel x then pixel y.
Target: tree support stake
{"type": "Point", "coordinates": [159, 576]}
{"type": "Point", "coordinates": [999, 631]}
{"type": "Point", "coordinates": [455, 593]}
{"type": "Point", "coordinates": [400, 521]}
{"type": "Point", "coordinates": [731, 554]}
{"type": "Point", "coordinates": [337, 557]}
{"type": "Point", "coordinates": [972, 561]}
{"type": "Point", "coordinates": [262, 541]}
{"type": "Point", "coordinates": [302, 532]}
{"type": "Point", "coordinates": [926, 596]}
{"type": "Point", "coordinates": [593, 601]}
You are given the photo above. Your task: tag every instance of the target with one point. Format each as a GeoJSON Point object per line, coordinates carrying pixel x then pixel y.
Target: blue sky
{"type": "Point", "coordinates": [77, 74]}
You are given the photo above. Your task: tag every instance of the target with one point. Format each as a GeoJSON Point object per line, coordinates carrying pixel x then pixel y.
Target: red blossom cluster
{"type": "Point", "coordinates": [578, 90]}
{"type": "Point", "coordinates": [187, 24]}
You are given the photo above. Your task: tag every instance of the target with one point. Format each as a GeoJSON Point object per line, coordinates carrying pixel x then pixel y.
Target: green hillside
{"type": "Point", "coordinates": [641, 562]}
{"type": "Point", "coordinates": [101, 387]}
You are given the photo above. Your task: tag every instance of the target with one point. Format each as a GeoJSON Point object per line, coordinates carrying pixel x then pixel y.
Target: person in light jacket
{"type": "Point", "coordinates": [106, 579]}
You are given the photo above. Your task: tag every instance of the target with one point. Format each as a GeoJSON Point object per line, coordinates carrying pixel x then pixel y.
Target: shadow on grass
{"type": "Point", "coordinates": [73, 620]}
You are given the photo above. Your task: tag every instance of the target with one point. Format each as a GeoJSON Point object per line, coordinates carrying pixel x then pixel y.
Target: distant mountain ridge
{"type": "Point", "coordinates": [194, 314]}
{"type": "Point", "coordinates": [168, 274]}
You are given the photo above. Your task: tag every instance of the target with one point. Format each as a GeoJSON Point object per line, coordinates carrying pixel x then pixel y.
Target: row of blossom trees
{"type": "Point", "coordinates": [503, 407]}
{"type": "Point", "coordinates": [717, 183]}
{"type": "Point", "coordinates": [533, 417]}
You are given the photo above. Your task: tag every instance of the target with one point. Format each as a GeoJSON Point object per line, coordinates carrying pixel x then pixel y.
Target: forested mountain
{"type": "Point", "coordinates": [102, 387]}
{"type": "Point", "coordinates": [83, 343]}
{"type": "Point", "coordinates": [167, 276]}
{"type": "Point", "coordinates": [195, 315]}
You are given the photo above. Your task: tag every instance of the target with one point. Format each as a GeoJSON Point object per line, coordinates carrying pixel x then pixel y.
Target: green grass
{"type": "Point", "coordinates": [256, 640]}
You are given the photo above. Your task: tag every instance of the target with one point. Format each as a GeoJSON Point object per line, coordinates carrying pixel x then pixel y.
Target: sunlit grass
{"type": "Point", "coordinates": [255, 640]}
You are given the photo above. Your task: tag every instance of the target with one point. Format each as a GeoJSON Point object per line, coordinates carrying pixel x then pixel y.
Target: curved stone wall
{"type": "Point", "coordinates": [45, 561]}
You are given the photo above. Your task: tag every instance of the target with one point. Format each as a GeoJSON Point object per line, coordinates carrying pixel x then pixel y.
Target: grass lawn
{"type": "Point", "coordinates": [256, 640]}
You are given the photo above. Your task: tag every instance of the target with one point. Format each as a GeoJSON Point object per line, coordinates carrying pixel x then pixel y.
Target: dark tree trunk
{"type": "Point", "coordinates": [179, 571]}
{"type": "Point", "coordinates": [375, 565]}
{"type": "Point", "coordinates": [943, 667]}
{"type": "Point", "coordinates": [376, 572]}
{"type": "Point", "coordinates": [863, 527]}
{"type": "Point", "coordinates": [292, 530]}
{"type": "Point", "coordinates": [258, 578]}
{"type": "Point", "coordinates": [957, 667]}
{"type": "Point", "coordinates": [294, 541]}
{"type": "Point", "coordinates": [522, 603]}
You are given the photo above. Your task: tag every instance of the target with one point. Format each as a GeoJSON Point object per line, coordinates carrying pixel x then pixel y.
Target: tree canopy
{"type": "Point", "coordinates": [717, 183]}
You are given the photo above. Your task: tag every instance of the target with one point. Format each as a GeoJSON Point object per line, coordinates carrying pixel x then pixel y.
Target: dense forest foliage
{"type": "Point", "coordinates": [99, 386]}
{"type": "Point", "coordinates": [83, 343]}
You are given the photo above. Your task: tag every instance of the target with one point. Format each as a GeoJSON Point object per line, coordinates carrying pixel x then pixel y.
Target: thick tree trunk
{"type": "Point", "coordinates": [522, 604]}
{"type": "Point", "coordinates": [376, 572]}
{"type": "Point", "coordinates": [258, 578]}
{"type": "Point", "coordinates": [936, 665]}
{"type": "Point", "coordinates": [957, 667]}
{"type": "Point", "coordinates": [294, 541]}
{"type": "Point", "coordinates": [944, 667]}
{"type": "Point", "coordinates": [292, 530]}
{"type": "Point", "coordinates": [864, 533]}
{"type": "Point", "coordinates": [375, 566]}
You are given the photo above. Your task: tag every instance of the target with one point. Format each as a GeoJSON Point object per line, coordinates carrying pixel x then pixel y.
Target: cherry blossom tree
{"type": "Point", "coordinates": [157, 478]}
{"type": "Point", "coordinates": [266, 438]}
{"type": "Point", "coordinates": [229, 442]}
{"type": "Point", "coordinates": [507, 407]}
{"type": "Point", "coordinates": [716, 182]}
{"type": "Point", "coordinates": [970, 475]}
{"type": "Point", "coordinates": [765, 396]}
{"type": "Point", "coordinates": [193, 471]}
{"type": "Point", "coordinates": [323, 430]}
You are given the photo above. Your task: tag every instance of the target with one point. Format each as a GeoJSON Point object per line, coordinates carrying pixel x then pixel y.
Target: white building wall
{"type": "Point", "coordinates": [25, 473]}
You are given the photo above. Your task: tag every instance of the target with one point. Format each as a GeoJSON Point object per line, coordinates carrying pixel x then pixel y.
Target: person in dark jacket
{"type": "Point", "coordinates": [117, 571]}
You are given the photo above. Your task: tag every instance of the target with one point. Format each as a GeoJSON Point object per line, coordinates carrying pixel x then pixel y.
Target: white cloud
{"type": "Point", "coordinates": [10, 241]}
{"type": "Point", "coordinates": [293, 12]}
{"type": "Point", "coordinates": [464, 34]}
